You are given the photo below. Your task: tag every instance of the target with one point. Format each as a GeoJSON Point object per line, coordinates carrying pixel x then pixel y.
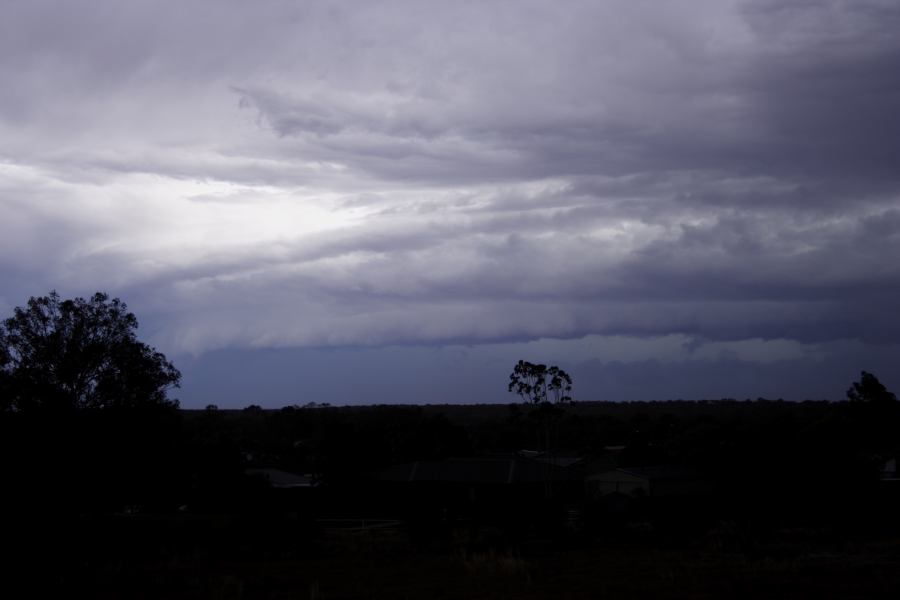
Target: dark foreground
{"type": "Point", "coordinates": [139, 556]}
{"type": "Point", "coordinates": [678, 500]}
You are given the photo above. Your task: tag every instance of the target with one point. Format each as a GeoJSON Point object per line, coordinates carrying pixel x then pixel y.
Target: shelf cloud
{"type": "Point", "coordinates": [347, 177]}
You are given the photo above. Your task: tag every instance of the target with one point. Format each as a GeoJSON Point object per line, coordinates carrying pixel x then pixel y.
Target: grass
{"type": "Point", "coordinates": [595, 572]}
{"type": "Point", "coordinates": [787, 564]}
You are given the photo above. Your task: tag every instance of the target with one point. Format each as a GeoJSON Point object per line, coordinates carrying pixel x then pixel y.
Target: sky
{"type": "Point", "coordinates": [394, 201]}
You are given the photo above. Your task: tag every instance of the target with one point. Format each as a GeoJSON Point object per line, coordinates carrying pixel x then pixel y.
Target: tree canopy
{"type": "Point", "coordinates": [869, 389]}
{"type": "Point", "coordinates": [538, 383]}
{"type": "Point", "coordinates": [79, 354]}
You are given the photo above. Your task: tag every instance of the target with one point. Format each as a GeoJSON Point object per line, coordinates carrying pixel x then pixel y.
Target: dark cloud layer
{"type": "Point", "coordinates": [279, 175]}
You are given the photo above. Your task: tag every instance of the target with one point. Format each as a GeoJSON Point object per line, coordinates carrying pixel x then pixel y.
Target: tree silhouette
{"type": "Point", "coordinates": [79, 354]}
{"type": "Point", "coordinates": [545, 389]}
{"type": "Point", "coordinates": [539, 384]}
{"type": "Point", "coordinates": [869, 389]}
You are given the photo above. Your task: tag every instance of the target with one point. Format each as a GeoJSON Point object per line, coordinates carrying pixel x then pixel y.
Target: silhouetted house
{"type": "Point", "coordinates": [472, 472]}
{"type": "Point", "coordinates": [278, 479]}
{"type": "Point", "coordinates": [486, 488]}
{"type": "Point", "coordinates": [275, 489]}
{"type": "Point", "coordinates": [600, 463]}
{"type": "Point", "coordinates": [567, 459]}
{"type": "Point", "coordinates": [655, 482]}
{"type": "Point", "coordinates": [615, 481]}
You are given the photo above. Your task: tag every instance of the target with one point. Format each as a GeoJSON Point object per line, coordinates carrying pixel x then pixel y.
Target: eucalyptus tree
{"type": "Point", "coordinates": [545, 389]}
{"type": "Point", "coordinates": [80, 354]}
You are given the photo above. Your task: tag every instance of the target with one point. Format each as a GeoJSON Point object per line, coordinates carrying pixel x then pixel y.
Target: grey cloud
{"type": "Point", "coordinates": [633, 168]}
{"type": "Point", "coordinates": [795, 279]}
{"type": "Point", "coordinates": [827, 78]}
{"type": "Point", "coordinates": [811, 99]}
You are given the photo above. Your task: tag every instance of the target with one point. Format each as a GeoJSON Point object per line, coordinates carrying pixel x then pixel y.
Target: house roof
{"type": "Point", "coordinates": [280, 479]}
{"type": "Point", "coordinates": [560, 458]}
{"type": "Point", "coordinates": [664, 472]}
{"type": "Point", "coordinates": [655, 473]}
{"type": "Point", "coordinates": [482, 470]}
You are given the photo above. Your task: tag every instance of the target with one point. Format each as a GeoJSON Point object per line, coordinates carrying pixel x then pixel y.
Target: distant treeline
{"type": "Point", "coordinates": [172, 457]}
{"type": "Point", "coordinates": [337, 442]}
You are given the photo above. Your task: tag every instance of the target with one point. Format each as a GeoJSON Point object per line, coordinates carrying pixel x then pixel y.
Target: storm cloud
{"type": "Point", "coordinates": [383, 178]}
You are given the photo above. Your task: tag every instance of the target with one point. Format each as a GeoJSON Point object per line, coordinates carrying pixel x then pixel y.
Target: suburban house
{"type": "Point", "coordinates": [655, 482]}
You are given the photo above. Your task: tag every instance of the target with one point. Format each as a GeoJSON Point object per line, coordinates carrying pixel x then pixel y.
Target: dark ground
{"type": "Point", "coordinates": [147, 505]}
{"type": "Point", "coordinates": [359, 564]}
